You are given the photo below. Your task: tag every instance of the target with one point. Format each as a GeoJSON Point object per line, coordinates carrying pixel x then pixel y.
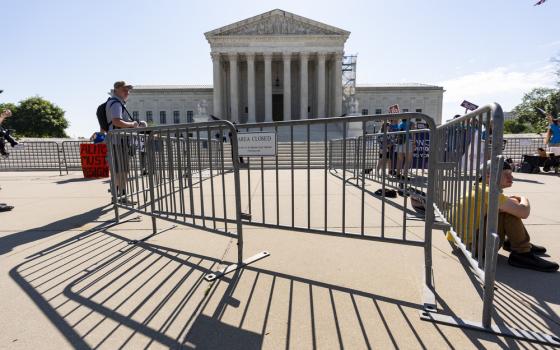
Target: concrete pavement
{"type": "Point", "coordinates": [71, 280]}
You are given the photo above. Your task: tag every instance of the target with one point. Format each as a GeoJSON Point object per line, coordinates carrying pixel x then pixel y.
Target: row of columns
{"type": "Point", "coordinates": [251, 96]}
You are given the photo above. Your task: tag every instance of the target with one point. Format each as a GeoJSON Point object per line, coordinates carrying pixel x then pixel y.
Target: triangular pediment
{"type": "Point", "coordinates": [277, 22]}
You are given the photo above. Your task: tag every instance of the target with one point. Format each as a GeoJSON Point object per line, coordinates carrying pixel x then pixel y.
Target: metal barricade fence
{"type": "Point", "coordinates": [466, 200]}
{"type": "Point", "coordinates": [516, 147]}
{"type": "Point", "coordinates": [314, 197]}
{"type": "Point", "coordinates": [403, 162]}
{"type": "Point", "coordinates": [32, 156]}
{"type": "Point", "coordinates": [71, 154]}
{"type": "Point", "coordinates": [190, 180]}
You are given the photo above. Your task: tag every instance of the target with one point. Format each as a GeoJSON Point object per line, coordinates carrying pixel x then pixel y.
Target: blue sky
{"type": "Point", "coordinates": [71, 52]}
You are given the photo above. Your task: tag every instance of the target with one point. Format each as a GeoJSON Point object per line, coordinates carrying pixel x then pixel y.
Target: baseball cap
{"type": "Point", "coordinates": [120, 84]}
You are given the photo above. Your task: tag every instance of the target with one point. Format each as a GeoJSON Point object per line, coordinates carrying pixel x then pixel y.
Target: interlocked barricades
{"type": "Point", "coordinates": [94, 160]}
{"type": "Point", "coordinates": [318, 182]}
{"type": "Point", "coordinates": [33, 156]}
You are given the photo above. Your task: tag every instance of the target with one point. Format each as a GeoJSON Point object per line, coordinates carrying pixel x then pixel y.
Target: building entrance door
{"type": "Point", "coordinates": [278, 107]}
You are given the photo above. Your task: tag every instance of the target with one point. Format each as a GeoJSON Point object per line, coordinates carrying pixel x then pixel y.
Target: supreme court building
{"type": "Point", "coordinates": [278, 66]}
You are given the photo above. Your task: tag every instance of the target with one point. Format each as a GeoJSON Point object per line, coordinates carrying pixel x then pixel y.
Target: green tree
{"type": "Point", "coordinates": [544, 98]}
{"type": "Point", "coordinates": [515, 126]}
{"type": "Point", "coordinates": [36, 117]}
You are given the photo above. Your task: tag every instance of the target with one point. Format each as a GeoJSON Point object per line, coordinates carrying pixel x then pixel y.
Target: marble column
{"type": "Point", "coordinates": [267, 86]}
{"type": "Point", "coordinates": [251, 104]}
{"type": "Point", "coordinates": [287, 57]}
{"type": "Point", "coordinates": [321, 56]}
{"type": "Point", "coordinates": [233, 85]}
{"type": "Point", "coordinates": [337, 84]}
{"type": "Point", "coordinates": [217, 89]}
{"type": "Point", "coordinates": [304, 103]}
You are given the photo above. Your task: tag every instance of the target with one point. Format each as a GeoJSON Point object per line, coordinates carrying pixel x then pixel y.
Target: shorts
{"type": "Point", "coordinates": [387, 155]}
{"type": "Point", "coordinates": [403, 148]}
{"type": "Point", "coordinates": [554, 148]}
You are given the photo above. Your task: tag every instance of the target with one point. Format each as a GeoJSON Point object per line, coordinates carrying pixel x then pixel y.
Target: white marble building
{"type": "Point", "coordinates": [276, 66]}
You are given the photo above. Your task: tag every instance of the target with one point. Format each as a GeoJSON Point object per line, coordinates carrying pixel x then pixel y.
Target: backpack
{"type": "Point", "coordinates": [102, 114]}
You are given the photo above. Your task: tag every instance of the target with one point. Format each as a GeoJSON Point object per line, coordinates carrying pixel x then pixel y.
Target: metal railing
{"type": "Point", "coordinates": [325, 194]}
{"type": "Point", "coordinates": [32, 156]}
{"type": "Point", "coordinates": [516, 147]}
{"type": "Point", "coordinates": [71, 154]}
{"type": "Point", "coordinates": [466, 200]}
{"type": "Point", "coordinates": [184, 177]}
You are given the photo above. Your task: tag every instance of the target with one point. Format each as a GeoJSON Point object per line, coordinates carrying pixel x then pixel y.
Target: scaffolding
{"type": "Point", "coordinates": [349, 101]}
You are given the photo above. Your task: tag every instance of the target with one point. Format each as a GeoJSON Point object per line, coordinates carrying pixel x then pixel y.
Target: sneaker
{"type": "Point", "coordinates": [535, 249]}
{"type": "Point", "coordinates": [532, 262]}
{"type": "Point", "coordinates": [6, 208]}
{"type": "Point", "coordinates": [125, 201]}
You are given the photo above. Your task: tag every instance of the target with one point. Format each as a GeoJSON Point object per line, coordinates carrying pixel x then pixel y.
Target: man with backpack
{"type": "Point", "coordinates": [113, 115]}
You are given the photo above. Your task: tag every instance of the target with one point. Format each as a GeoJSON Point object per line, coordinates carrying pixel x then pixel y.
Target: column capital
{"type": "Point", "coordinates": [338, 55]}
{"type": "Point", "coordinates": [250, 55]}
{"type": "Point", "coordinates": [232, 56]}
{"type": "Point", "coordinates": [321, 55]}
{"type": "Point", "coordinates": [304, 55]}
{"type": "Point", "coordinates": [287, 55]}
{"type": "Point", "coordinates": [267, 55]}
{"type": "Point", "coordinates": [215, 55]}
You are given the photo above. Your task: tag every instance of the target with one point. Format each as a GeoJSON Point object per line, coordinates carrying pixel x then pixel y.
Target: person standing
{"type": "Point", "coordinates": [405, 148]}
{"type": "Point", "coordinates": [5, 134]}
{"type": "Point", "coordinates": [118, 117]}
{"type": "Point", "coordinates": [552, 138]}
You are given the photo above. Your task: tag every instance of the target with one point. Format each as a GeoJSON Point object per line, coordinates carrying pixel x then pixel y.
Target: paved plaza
{"type": "Point", "coordinates": [71, 280]}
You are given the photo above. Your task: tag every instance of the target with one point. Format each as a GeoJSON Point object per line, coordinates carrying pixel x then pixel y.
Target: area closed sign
{"type": "Point", "coordinates": [256, 144]}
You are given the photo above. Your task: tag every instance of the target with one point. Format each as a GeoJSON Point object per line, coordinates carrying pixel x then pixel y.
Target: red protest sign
{"type": "Point", "coordinates": [394, 109]}
{"type": "Point", "coordinates": [94, 160]}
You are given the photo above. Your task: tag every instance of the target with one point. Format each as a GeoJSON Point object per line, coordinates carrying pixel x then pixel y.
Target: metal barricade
{"type": "Point", "coordinates": [32, 156]}
{"type": "Point", "coordinates": [466, 201]}
{"type": "Point", "coordinates": [516, 147]}
{"type": "Point", "coordinates": [320, 190]}
{"type": "Point", "coordinates": [71, 154]}
{"type": "Point", "coordinates": [185, 176]}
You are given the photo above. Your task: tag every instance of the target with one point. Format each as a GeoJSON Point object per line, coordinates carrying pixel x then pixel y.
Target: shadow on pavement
{"type": "Point", "coordinates": [75, 179]}
{"type": "Point", "coordinates": [100, 291]}
{"type": "Point", "coordinates": [521, 299]}
{"type": "Point", "coordinates": [9, 242]}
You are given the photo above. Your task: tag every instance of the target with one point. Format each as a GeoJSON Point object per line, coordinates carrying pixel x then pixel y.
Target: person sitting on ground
{"type": "Point", "coordinates": [511, 230]}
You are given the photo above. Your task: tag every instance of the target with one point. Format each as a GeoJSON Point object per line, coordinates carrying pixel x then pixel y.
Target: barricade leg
{"type": "Point", "coordinates": [240, 262]}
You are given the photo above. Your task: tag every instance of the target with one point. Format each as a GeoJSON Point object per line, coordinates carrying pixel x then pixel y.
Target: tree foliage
{"type": "Point", "coordinates": [516, 126]}
{"type": "Point", "coordinates": [544, 98]}
{"type": "Point", "coordinates": [36, 117]}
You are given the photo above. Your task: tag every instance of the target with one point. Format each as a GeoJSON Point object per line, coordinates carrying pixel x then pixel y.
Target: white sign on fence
{"type": "Point", "coordinates": [256, 144]}
{"type": "Point", "coordinates": [525, 142]}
